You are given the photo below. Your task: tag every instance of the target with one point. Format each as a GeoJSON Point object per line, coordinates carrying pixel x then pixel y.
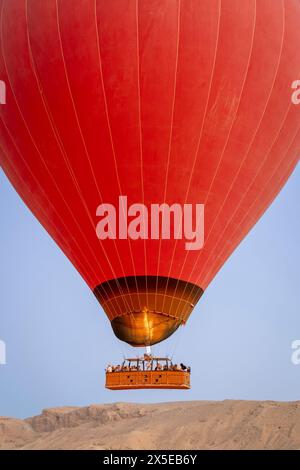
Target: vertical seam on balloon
{"type": "Point", "coordinates": [84, 144]}
{"type": "Point", "coordinates": [231, 127]}
{"type": "Point", "coordinates": [201, 128]}
{"type": "Point", "coordinates": [112, 144]}
{"type": "Point", "coordinates": [255, 133]}
{"type": "Point", "coordinates": [13, 93]}
{"type": "Point", "coordinates": [169, 150]}
{"type": "Point", "coordinates": [53, 129]}
{"type": "Point", "coordinates": [238, 107]}
{"type": "Point", "coordinates": [140, 133]}
{"type": "Point", "coordinates": [260, 193]}
{"type": "Point", "coordinates": [111, 140]}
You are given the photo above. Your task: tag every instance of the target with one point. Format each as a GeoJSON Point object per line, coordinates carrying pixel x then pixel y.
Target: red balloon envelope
{"type": "Point", "coordinates": [161, 101]}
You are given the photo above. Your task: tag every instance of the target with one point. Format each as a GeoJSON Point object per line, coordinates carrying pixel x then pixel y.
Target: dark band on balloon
{"type": "Point", "coordinates": [104, 291]}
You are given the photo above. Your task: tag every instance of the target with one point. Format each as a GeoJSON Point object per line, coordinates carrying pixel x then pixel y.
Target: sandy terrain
{"type": "Point", "coordinates": [182, 425]}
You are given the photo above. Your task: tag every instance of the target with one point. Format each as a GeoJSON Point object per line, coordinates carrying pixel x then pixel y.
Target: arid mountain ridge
{"type": "Point", "coordinates": [229, 424]}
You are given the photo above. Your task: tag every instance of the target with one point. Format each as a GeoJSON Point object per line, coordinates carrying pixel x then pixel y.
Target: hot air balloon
{"type": "Point", "coordinates": [165, 102]}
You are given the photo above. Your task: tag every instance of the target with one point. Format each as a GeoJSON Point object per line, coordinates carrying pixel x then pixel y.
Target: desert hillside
{"type": "Point", "coordinates": [182, 425]}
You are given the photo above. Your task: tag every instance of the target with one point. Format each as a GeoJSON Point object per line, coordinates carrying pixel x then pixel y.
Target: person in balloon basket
{"type": "Point", "coordinates": [179, 367]}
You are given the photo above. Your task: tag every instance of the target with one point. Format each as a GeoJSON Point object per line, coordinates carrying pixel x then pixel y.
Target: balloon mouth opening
{"type": "Point", "coordinates": [144, 328]}
{"type": "Point", "coordinates": [144, 310]}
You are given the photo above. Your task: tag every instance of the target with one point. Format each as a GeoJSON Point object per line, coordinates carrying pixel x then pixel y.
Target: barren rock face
{"type": "Point", "coordinates": [182, 425]}
{"type": "Point", "coordinates": [14, 433]}
{"type": "Point", "coordinates": [70, 417]}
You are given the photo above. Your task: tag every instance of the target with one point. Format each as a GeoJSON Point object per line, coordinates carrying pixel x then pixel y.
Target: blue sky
{"type": "Point", "coordinates": [58, 340]}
